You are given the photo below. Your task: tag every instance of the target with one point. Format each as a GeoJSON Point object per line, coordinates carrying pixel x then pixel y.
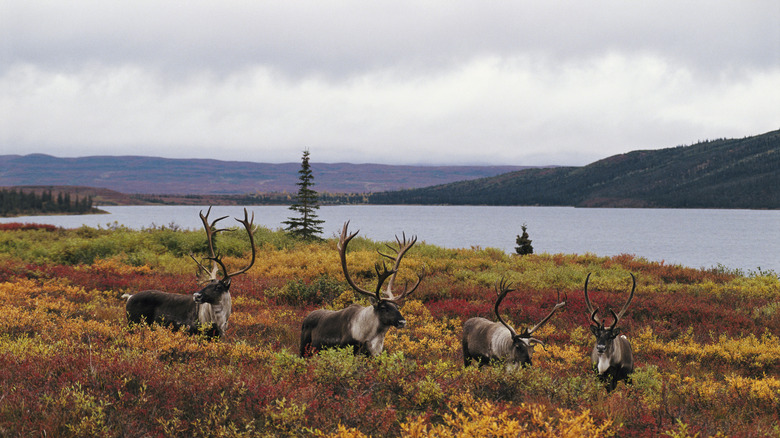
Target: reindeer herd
{"type": "Point", "coordinates": [363, 329]}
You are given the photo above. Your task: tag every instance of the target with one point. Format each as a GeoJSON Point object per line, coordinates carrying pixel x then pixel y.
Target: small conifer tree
{"type": "Point", "coordinates": [524, 243]}
{"type": "Point", "coordinates": [306, 225]}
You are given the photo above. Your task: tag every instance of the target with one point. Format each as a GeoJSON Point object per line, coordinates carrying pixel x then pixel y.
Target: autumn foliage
{"type": "Point", "coordinates": [705, 343]}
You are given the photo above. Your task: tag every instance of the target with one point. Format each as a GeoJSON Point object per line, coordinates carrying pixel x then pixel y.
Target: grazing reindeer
{"type": "Point", "coordinates": [207, 308]}
{"type": "Point", "coordinates": [485, 341]}
{"type": "Point", "coordinates": [612, 357]}
{"type": "Point", "coordinates": [363, 328]}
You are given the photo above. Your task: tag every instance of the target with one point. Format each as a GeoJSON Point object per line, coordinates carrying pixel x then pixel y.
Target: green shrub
{"type": "Point", "coordinates": [323, 289]}
{"type": "Point", "coordinates": [647, 381]}
{"type": "Point", "coordinates": [338, 367]}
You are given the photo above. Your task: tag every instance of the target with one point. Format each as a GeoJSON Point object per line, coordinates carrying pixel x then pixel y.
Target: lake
{"type": "Point", "coordinates": [737, 239]}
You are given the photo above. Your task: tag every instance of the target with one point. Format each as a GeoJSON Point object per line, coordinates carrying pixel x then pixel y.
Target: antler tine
{"type": "Point", "coordinates": [403, 247]}
{"type": "Point", "coordinates": [591, 311]}
{"type": "Point", "coordinates": [381, 277]}
{"type": "Point", "coordinates": [595, 320]}
{"type": "Point", "coordinates": [565, 296]}
{"type": "Point", "coordinates": [527, 333]}
{"type": "Point", "coordinates": [420, 276]}
{"type": "Point", "coordinates": [212, 273]}
{"type": "Point", "coordinates": [502, 289]}
{"type": "Point", "coordinates": [344, 238]}
{"type": "Point", "coordinates": [247, 223]}
{"type": "Point", "coordinates": [342, 247]}
{"type": "Point", "coordinates": [400, 298]}
{"type": "Point", "coordinates": [218, 260]}
{"type": "Point", "coordinates": [625, 306]}
{"type": "Point", "coordinates": [211, 230]}
{"type": "Point", "coordinates": [205, 219]}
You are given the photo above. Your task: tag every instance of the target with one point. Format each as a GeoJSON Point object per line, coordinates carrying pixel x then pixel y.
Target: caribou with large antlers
{"type": "Point", "coordinates": [485, 341]}
{"type": "Point", "coordinates": [205, 310]}
{"type": "Point", "coordinates": [612, 357]}
{"type": "Point", "coordinates": [362, 328]}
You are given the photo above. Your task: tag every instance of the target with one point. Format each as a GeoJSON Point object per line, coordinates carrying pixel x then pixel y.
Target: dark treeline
{"type": "Point", "coordinates": [271, 198]}
{"type": "Point", "coordinates": [17, 202]}
{"type": "Point", "coordinates": [324, 198]}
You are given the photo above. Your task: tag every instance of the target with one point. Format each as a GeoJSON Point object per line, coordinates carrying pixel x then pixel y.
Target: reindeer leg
{"type": "Point", "coordinates": [612, 379]}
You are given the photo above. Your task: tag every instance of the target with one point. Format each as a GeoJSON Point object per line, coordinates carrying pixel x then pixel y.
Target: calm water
{"type": "Point", "coordinates": [740, 239]}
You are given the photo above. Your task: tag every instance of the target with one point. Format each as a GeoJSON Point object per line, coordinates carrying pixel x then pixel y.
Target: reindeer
{"type": "Point", "coordinates": [207, 309]}
{"type": "Point", "coordinates": [362, 328]}
{"type": "Point", "coordinates": [485, 341]}
{"type": "Point", "coordinates": [612, 357]}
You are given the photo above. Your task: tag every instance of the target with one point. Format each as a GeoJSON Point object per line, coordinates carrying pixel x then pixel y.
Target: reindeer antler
{"type": "Point", "coordinates": [502, 289]}
{"type": "Point", "coordinates": [248, 226]}
{"type": "Point", "coordinates": [403, 247]}
{"type": "Point", "coordinates": [593, 311]}
{"type": "Point", "coordinates": [211, 231]}
{"type": "Point", "coordinates": [625, 306]}
{"type": "Point", "coordinates": [528, 332]}
{"type": "Point", "coordinates": [216, 259]}
{"type": "Point", "coordinates": [382, 275]}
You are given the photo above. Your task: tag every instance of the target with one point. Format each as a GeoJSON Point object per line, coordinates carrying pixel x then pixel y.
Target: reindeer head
{"type": "Point", "coordinates": [522, 350]}
{"type": "Point", "coordinates": [216, 287]}
{"type": "Point", "coordinates": [522, 344]}
{"type": "Point", "coordinates": [606, 334]}
{"type": "Point", "coordinates": [385, 303]}
{"type": "Point", "coordinates": [604, 337]}
{"type": "Point", "coordinates": [389, 314]}
{"type": "Point", "coordinates": [212, 292]}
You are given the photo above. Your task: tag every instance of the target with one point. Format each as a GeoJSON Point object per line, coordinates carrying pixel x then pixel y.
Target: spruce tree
{"type": "Point", "coordinates": [524, 243]}
{"type": "Point", "coordinates": [306, 225]}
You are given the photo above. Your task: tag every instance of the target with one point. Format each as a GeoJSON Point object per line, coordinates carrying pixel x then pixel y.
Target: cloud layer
{"type": "Point", "coordinates": [391, 82]}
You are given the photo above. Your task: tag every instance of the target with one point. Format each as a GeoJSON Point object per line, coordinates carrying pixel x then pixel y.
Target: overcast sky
{"type": "Point", "coordinates": [398, 82]}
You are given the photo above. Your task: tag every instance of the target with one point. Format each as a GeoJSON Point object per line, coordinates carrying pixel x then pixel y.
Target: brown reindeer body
{"type": "Point", "coordinates": [613, 360]}
{"type": "Point", "coordinates": [485, 341]}
{"type": "Point", "coordinates": [154, 306]}
{"type": "Point", "coordinates": [612, 356]}
{"type": "Point", "coordinates": [359, 327]}
{"type": "Point", "coordinates": [362, 328]}
{"type": "Point", "coordinates": [206, 310]}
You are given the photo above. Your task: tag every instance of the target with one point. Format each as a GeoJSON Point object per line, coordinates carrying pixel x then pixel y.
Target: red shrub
{"type": "Point", "coordinates": [16, 226]}
{"type": "Point", "coordinates": [459, 308]}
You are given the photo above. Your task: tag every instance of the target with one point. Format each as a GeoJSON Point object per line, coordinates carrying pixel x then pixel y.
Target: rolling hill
{"type": "Point", "coordinates": [726, 173]}
{"type": "Point", "coordinates": [150, 175]}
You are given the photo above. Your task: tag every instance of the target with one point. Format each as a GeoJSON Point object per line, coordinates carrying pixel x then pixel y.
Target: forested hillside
{"type": "Point", "coordinates": [736, 173]}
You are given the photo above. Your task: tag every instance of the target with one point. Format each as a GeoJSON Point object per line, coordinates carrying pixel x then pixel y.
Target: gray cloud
{"type": "Point", "coordinates": [396, 82]}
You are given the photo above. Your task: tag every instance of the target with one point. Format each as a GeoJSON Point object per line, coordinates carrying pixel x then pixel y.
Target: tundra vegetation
{"type": "Point", "coordinates": [705, 344]}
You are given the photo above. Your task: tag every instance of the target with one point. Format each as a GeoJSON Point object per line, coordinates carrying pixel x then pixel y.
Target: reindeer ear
{"type": "Point", "coordinates": [594, 330]}
{"type": "Point", "coordinates": [373, 301]}
{"type": "Point", "coordinates": [226, 282]}
{"type": "Point", "coordinates": [616, 331]}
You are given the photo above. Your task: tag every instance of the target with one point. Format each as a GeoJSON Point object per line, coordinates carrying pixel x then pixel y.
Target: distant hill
{"type": "Point", "coordinates": [149, 175]}
{"type": "Point", "coordinates": [736, 173]}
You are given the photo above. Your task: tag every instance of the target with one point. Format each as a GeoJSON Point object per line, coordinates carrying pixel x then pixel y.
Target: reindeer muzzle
{"type": "Point", "coordinates": [401, 323]}
{"type": "Point", "coordinates": [197, 297]}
